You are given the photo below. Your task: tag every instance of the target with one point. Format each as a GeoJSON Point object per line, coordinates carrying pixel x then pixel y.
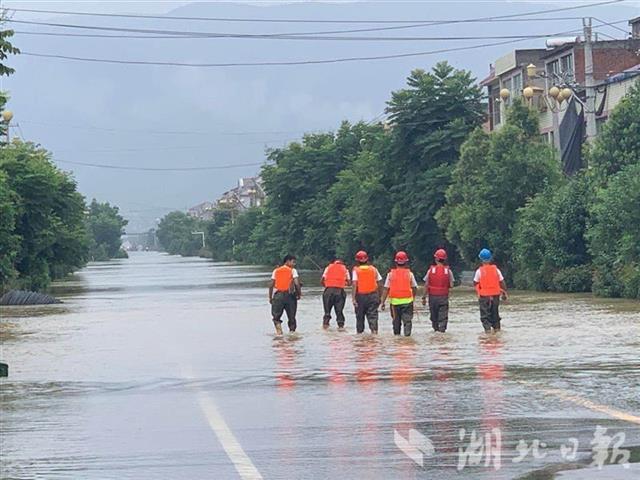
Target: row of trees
{"type": "Point", "coordinates": [436, 179]}
{"type": "Point", "coordinates": [46, 229]}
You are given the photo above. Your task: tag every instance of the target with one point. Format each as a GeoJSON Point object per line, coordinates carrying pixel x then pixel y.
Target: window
{"type": "Point", "coordinates": [517, 84]}
{"type": "Point", "coordinates": [553, 68]}
{"type": "Point", "coordinates": [566, 64]}
{"type": "Point", "coordinates": [496, 111]}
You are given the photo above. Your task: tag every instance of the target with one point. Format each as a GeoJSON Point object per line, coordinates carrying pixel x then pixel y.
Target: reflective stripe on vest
{"type": "Point", "coordinates": [400, 283]}
{"type": "Point", "coordinates": [336, 276]}
{"type": "Point", "coordinates": [438, 280]}
{"type": "Point", "coordinates": [489, 284]}
{"type": "Point", "coordinates": [283, 278]}
{"type": "Point", "coordinates": [367, 282]}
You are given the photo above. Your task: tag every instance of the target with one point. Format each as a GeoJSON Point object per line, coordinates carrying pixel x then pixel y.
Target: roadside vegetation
{"type": "Point", "coordinates": [432, 178]}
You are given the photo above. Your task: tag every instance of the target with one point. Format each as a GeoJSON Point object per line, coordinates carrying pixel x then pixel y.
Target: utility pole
{"type": "Point", "coordinates": [589, 82]}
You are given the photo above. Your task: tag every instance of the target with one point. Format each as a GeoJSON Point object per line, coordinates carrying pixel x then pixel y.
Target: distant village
{"type": "Point", "coordinates": [248, 194]}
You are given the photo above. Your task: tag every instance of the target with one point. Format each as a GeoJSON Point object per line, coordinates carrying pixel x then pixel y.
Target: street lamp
{"type": "Point", "coordinates": [7, 116]}
{"type": "Point", "coordinates": [566, 93]}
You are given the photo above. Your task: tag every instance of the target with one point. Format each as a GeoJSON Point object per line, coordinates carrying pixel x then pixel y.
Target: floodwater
{"type": "Point", "coordinates": [160, 367]}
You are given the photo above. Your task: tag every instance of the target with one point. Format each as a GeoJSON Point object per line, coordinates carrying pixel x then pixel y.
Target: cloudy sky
{"type": "Point", "coordinates": [176, 116]}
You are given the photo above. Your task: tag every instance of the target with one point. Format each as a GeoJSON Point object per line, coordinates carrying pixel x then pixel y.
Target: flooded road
{"type": "Point", "coordinates": [161, 367]}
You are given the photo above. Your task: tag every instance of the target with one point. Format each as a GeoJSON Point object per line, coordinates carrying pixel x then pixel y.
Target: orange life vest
{"type": "Point", "coordinates": [283, 278]}
{"type": "Point", "coordinates": [489, 284]}
{"type": "Point", "coordinates": [367, 282]}
{"type": "Point", "coordinates": [439, 281]}
{"type": "Point", "coordinates": [400, 283]}
{"type": "Point", "coordinates": [336, 275]}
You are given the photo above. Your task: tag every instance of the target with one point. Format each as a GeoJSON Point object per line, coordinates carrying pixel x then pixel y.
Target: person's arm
{"type": "Point", "coordinates": [379, 282]}
{"type": "Point", "coordinates": [272, 283]}
{"type": "Point", "coordinates": [298, 286]}
{"type": "Point", "coordinates": [476, 282]}
{"type": "Point", "coordinates": [503, 291]}
{"type": "Point", "coordinates": [503, 287]}
{"type": "Point", "coordinates": [348, 278]}
{"type": "Point", "coordinates": [354, 287]}
{"type": "Point", "coordinates": [414, 286]}
{"type": "Point", "coordinates": [385, 292]}
{"type": "Point", "coordinates": [426, 289]}
{"type": "Point", "coordinates": [452, 279]}
{"type": "Point", "coordinates": [383, 298]}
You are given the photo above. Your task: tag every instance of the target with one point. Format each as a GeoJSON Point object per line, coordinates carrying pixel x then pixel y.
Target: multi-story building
{"type": "Point", "coordinates": [247, 194]}
{"type": "Point", "coordinates": [508, 72]}
{"type": "Point", "coordinates": [553, 81]}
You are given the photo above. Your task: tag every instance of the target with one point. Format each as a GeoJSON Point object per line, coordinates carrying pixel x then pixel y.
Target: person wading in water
{"type": "Point", "coordinates": [288, 290]}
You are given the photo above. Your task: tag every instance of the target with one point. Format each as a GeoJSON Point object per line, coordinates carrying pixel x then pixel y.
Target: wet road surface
{"type": "Point", "coordinates": [164, 367]}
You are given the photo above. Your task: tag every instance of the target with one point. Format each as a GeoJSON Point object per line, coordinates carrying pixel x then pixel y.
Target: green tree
{"type": "Point", "coordinates": [175, 234]}
{"type": "Point", "coordinates": [105, 227]}
{"type": "Point", "coordinates": [431, 119]}
{"type": "Point", "coordinates": [6, 49]}
{"type": "Point", "coordinates": [49, 216]}
{"type": "Point", "coordinates": [296, 216]}
{"type": "Point", "coordinates": [359, 208]}
{"type": "Point", "coordinates": [496, 175]}
{"type": "Point", "coordinates": [614, 235]}
{"type": "Point", "coordinates": [618, 145]}
{"type": "Point", "coordinates": [9, 242]}
{"type": "Point", "coordinates": [549, 246]}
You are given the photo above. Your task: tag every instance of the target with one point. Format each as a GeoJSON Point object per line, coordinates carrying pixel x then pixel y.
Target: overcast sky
{"type": "Point", "coordinates": [170, 116]}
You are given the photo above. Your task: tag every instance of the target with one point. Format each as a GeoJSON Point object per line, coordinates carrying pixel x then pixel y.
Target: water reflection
{"type": "Point", "coordinates": [491, 374]}
{"type": "Point", "coordinates": [287, 351]}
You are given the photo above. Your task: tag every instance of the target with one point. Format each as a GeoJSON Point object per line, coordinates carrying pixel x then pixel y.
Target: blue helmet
{"type": "Point", "coordinates": [485, 255]}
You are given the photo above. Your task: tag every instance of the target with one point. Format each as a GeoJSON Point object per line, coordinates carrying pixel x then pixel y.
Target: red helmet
{"type": "Point", "coordinates": [441, 254]}
{"type": "Point", "coordinates": [362, 256]}
{"type": "Point", "coordinates": [401, 258]}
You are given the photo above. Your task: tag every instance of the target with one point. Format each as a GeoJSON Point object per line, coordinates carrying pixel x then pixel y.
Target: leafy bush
{"type": "Point", "coordinates": [614, 235]}
{"type": "Point", "coordinates": [572, 279]}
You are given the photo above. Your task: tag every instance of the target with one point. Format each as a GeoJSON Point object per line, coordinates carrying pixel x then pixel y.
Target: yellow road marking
{"type": "Point", "coordinates": [583, 402]}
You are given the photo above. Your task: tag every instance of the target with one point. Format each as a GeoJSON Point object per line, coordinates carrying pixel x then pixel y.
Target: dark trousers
{"type": "Point", "coordinates": [489, 312]}
{"type": "Point", "coordinates": [439, 311]}
{"type": "Point", "coordinates": [333, 298]}
{"type": "Point", "coordinates": [367, 306]}
{"type": "Point", "coordinates": [285, 302]}
{"type": "Point", "coordinates": [402, 315]}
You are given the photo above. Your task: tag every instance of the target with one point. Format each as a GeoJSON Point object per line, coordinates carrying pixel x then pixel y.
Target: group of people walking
{"type": "Point", "coordinates": [369, 293]}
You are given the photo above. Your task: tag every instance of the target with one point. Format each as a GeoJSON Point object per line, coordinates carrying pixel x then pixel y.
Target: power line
{"type": "Point", "coordinates": [296, 34]}
{"type": "Point", "coordinates": [299, 37]}
{"type": "Point", "coordinates": [285, 20]}
{"type": "Point", "coordinates": [275, 63]}
{"type": "Point", "coordinates": [162, 132]}
{"type": "Point", "coordinates": [612, 25]}
{"type": "Point", "coordinates": [161, 169]}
